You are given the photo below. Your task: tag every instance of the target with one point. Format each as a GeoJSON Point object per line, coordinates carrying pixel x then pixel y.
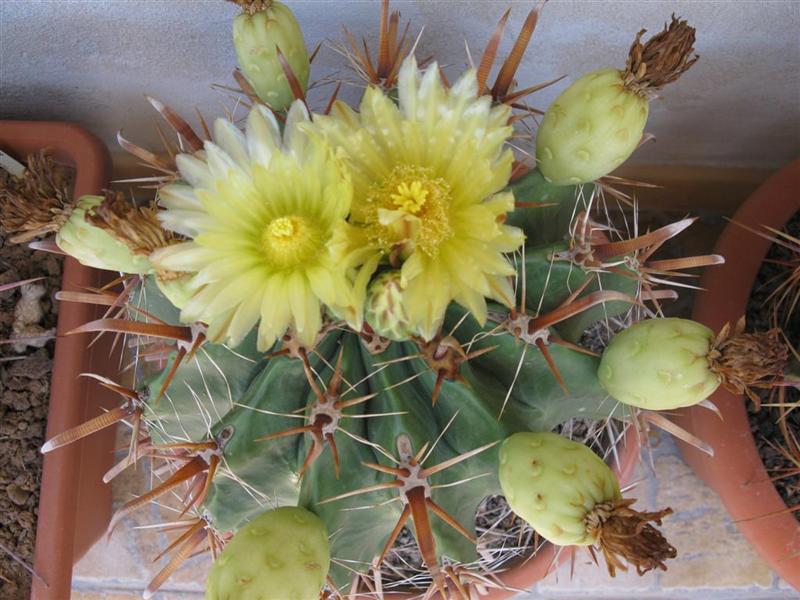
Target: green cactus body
{"type": "Point", "coordinates": [269, 469]}
{"type": "Point", "coordinates": [282, 554]}
{"type": "Point", "coordinates": [507, 390]}
{"type": "Point", "coordinates": [549, 281]}
{"type": "Point", "coordinates": [554, 483]}
{"type": "Point", "coordinates": [384, 310]}
{"type": "Point", "coordinates": [590, 129]}
{"type": "Point", "coordinates": [544, 224]}
{"type": "Point", "coordinates": [659, 364]}
{"type": "Point", "coordinates": [93, 247]}
{"type": "Point", "coordinates": [256, 37]}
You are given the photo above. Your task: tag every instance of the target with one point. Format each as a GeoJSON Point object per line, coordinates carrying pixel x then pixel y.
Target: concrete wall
{"type": "Point", "coordinates": [91, 61]}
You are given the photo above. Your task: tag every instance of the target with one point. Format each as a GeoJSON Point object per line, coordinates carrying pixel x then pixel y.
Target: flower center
{"type": "Point", "coordinates": [283, 229]}
{"type": "Point", "coordinates": [289, 241]}
{"type": "Point", "coordinates": [410, 198]}
{"type": "Point", "coordinates": [409, 209]}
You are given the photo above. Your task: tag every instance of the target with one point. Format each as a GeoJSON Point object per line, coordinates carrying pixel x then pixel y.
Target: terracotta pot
{"type": "Point", "coordinates": [736, 471]}
{"type": "Point", "coordinates": [75, 505]}
{"type": "Point", "coordinates": [526, 574]}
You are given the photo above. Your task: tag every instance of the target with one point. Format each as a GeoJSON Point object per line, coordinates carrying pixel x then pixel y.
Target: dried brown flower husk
{"type": "Point", "coordinates": [39, 202]}
{"type": "Point", "coordinates": [252, 7]}
{"type": "Point", "coordinates": [661, 60]}
{"type": "Point", "coordinates": [749, 361]}
{"type": "Point", "coordinates": [625, 533]}
{"type": "Point", "coordinates": [135, 226]}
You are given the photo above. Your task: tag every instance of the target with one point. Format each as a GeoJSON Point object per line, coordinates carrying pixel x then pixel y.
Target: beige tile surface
{"type": "Point", "coordinates": [714, 553]}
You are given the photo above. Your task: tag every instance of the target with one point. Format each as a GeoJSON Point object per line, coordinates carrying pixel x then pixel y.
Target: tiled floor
{"type": "Point", "coordinates": [714, 561]}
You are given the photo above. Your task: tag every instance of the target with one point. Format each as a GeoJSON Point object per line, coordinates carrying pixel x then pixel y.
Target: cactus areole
{"type": "Point", "coordinates": [339, 317]}
{"type": "Point", "coordinates": [598, 121]}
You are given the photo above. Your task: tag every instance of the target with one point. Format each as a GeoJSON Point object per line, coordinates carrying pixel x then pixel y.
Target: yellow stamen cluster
{"type": "Point", "coordinates": [411, 198]}
{"type": "Point", "coordinates": [409, 208]}
{"type": "Point", "coordinates": [289, 241]}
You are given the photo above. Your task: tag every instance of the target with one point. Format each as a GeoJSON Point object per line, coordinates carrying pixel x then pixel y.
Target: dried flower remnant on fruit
{"type": "Point", "coordinates": [661, 60]}
{"type": "Point", "coordinates": [39, 202]}
{"type": "Point", "coordinates": [748, 361]}
{"type": "Point", "coordinates": [251, 7]}
{"type": "Point", "coordinates": [135, 226]}
{"type": "Point", "coordinates": [623, 532]}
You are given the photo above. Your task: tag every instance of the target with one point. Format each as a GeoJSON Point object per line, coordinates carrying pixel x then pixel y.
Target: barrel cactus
{"type": "Point", "coordinates": [345, 315]}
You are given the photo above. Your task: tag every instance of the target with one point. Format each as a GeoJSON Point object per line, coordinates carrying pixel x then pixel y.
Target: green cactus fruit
{"type": "Point", "coordinates": [598, 121]}
{"type": "Point", "coordinates": [659, 364]}
{"type": "Point", "coordinates": [554, 483]}
{"type": "Point", "coordinates": [384, 309]}
{"type": "Point", "coordinates": [93, 247]}
{"type": "Point", "coordinates": [282, 554]}
{"type": "Point", "coordinates": [572, 498]}
{"type": "Point", "coordinates": [263, 27]}
{"type": "Point", "coordinates": [590, 129]}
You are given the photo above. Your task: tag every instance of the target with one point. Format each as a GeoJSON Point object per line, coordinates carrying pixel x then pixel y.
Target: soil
{"type": "Point", "coordinates": [24, 394]}
{"type": "Point", "coordinates": [764, 422]}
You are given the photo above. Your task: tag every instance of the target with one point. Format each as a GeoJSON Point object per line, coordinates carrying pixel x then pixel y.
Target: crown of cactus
{"type": "Point", "coordinates": [344, 316]}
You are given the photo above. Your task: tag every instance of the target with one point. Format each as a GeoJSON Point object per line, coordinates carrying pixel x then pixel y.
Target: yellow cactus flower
{"type": "Point", "coordinates": [428, 175]}
{"type": "Point", "coordinates": [260, 212]}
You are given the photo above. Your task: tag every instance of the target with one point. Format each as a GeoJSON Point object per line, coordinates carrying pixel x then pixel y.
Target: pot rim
{"type": "Point", "coordinates": [736, 472]}
{"type": "Point", "coordinates": [74, 504]}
